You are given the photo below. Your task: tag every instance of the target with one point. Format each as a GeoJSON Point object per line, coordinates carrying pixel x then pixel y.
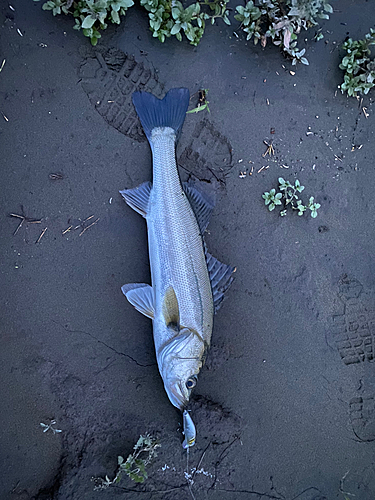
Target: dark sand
{"type": "Point", "coordinates": [285, 405]}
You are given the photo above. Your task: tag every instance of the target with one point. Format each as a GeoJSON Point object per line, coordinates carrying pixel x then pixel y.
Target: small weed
{"type": "Point", "coordinates": [90, 15]}
{"type": "Point", "coordinates": [135, 465]}
{"type": "Point", "coordinates": [359, 68]}
{"type": "Point", "coordinates": [202, 103]}
{"type": "Point", "coordinates": [282, 22]}
{"type": "Point", "coordinates": [169, 17]}
{"type": "Point", "coordinates": [166, 17]}
{"type": "Point", "coordinates": [288, 198]}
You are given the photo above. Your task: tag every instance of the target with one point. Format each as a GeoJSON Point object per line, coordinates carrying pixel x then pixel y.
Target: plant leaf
{"type": "Point", "coordinates": [88, 22]}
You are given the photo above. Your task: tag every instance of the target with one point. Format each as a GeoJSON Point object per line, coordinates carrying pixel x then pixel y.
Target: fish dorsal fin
{"type": "Point", "coordinates": [200, 203]}
{"type": "Point", "coordinates": [141, 296]}
{"type": "Point", "coordinates": [171, 310]}
{"type": "Point", "coordinates": [138, 198]}
{"type": "Point", "coordinates": [221, 278]}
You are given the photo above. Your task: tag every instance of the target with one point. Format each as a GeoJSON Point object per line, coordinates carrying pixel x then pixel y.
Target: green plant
{"type": "Point", "coordinates": [272, 199]}
{"type": "Point", "coordinates": [90, 15]}
{"type": "Point", "coordinates": [166, 17]}
{"type": "Point", "coordinates": [359, 68]}
{"type": "Point", "coordinates": [202, 103]}
{"type": "Point", "coordinates": [289, 198]}
{"type": "Point", "coordinates": [169, 17]}
{"type": "Point", "coordinates": [282, 21]}
{"type": "Point", "coordinates": [135, 465]}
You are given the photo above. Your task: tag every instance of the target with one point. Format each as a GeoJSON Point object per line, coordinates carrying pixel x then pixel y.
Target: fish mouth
{"type": "Point", "coordinates": [176, 395]}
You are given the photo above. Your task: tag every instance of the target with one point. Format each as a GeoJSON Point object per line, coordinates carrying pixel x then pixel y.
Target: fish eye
{"type": "Point", "coordinates": [191, 382]}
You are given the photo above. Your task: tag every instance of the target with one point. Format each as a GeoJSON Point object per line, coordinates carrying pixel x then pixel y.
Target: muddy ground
{"type": "Point", "coordinates": [285, 407]}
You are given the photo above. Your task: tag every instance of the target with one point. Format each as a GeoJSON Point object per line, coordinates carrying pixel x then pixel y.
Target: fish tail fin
{"type": "Point", "coordinates": [167, 112]}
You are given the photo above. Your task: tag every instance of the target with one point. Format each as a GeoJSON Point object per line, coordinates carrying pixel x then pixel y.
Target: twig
{"type": "Point", "coordinates": [19, 227]}
{"type": "Point", "coordinates": [68, 229]}
{"type": "Point", "coordinates": [92, 224]}
{"type": "Point", "coordinates": [342, 480]}
{"type": "Point", "coordinates": [24, 218]}
{"type": "Point", "coordinates": [200, 460]}
{"type": "Point", "coordinates": [80, 225]}
{"type": "Point", "coordinates": [270, 150]}
{"type": "Point", "coordinates": [149, 491]}
{"type": "Point", "coordinates": [41, 236]}
{"type": "Point", "coordinates": [191, 491]}
{"type": "Point", "coordinates": [251, 492]}
{"type": "Point", "coordinates": [220, 459]}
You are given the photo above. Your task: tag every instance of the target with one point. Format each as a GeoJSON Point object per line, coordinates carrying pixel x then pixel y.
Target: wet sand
{"type": "Point", "coordinates": [284, 407]}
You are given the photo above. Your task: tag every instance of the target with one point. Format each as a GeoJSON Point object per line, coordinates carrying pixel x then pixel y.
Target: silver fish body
{"type": "Point", "coordinates": [177, 262]}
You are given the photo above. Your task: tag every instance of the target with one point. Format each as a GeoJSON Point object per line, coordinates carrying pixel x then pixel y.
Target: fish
{"type": "Point", "coordinates": [188, 283]}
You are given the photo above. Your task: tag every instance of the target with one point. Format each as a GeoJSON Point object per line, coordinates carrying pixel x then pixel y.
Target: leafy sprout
{"type": "Point", "coordinates": [288, 196]}
{"type": "Point", "coordinates": [170, 18]}
{"type": "Point", "coordinates": [281, 22]}
{"type": "Point", "coordinates": [90, 15]}
{"type": "Point", "coordinates": [135, 465]}
{"type": "Point", "coordinates": [202, 104]}
{"type": "Point", "coordinates": [359, 68]}
{"type": "Point", "coordinates": [272, 199]}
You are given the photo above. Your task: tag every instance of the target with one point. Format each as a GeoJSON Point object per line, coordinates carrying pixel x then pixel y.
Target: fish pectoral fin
{"type": "Point", "coordinates": [221, 278]}
{"type": "Point", "coordinates": [171, 311]}
{"type": "Point", "coordinates": [200, 203]}
{"type": "Point", "coordinates": [138, 198]}
{"type": "Point", "coordinates": [141, 296]}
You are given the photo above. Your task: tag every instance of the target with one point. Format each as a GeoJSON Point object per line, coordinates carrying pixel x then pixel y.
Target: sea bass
{"type": "Point", "coordinates": [188, 284]}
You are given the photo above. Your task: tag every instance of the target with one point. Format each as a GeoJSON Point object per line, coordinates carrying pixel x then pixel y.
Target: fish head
{"type": "Point", "coordinates": [179, 363]}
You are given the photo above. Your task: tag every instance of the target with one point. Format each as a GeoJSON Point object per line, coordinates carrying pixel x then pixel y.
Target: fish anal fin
{"type": "Point", "coordinates": [200, 203]}
{"type": "Point", "coordinates": [141, 296]}
{"type": "Point", "coordinates": [170, 309]}
{"type": "Point", "coordinates": [221, 277]}
{"type": "Point", "coordinates": [138, 198]}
